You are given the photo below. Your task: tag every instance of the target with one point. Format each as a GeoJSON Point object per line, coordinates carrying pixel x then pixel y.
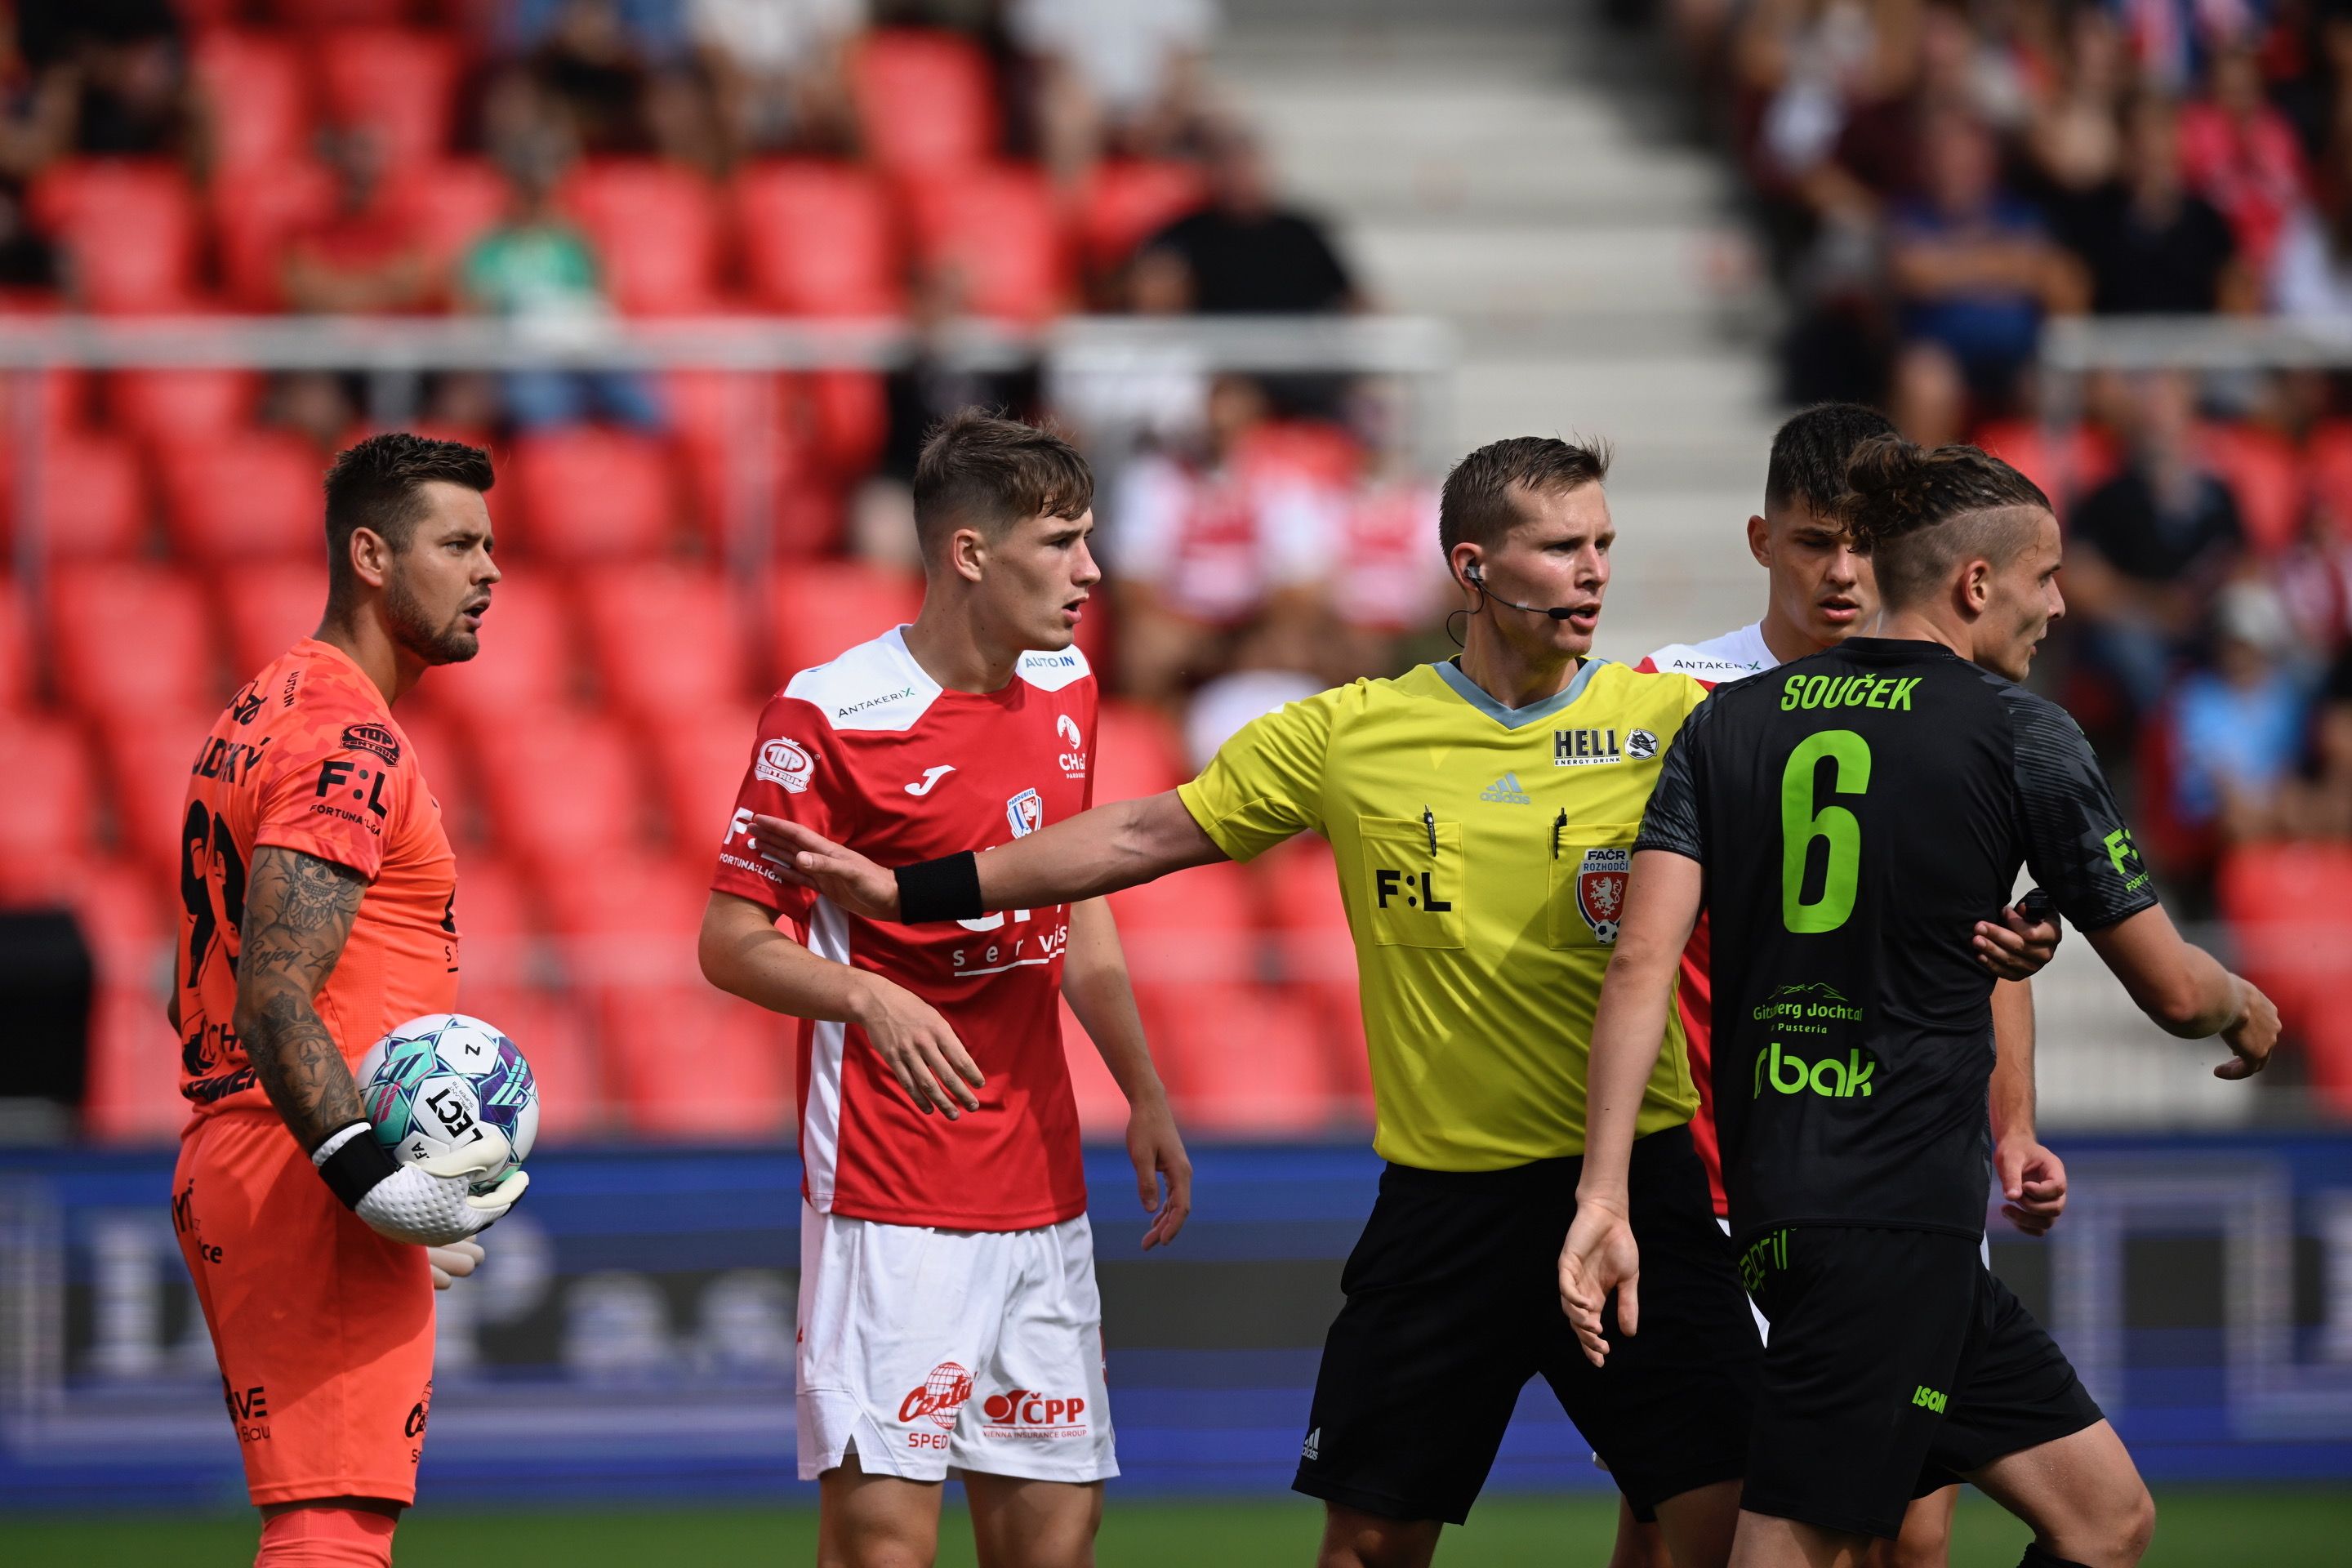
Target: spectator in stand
{"type": "Point", "coordinates": [537, 270]}
{"type": "Point", "coordinates": [2311, 275]}
{"type": "Point", "coordinates": [2076, 135]}
{"type": "Point", "coordinates": [1245, 253]}
{"type": "Point", "coordinates": [1928, 400]}
{"type": "Point", "coordinates": [1203, 548]}
{"type": "Point", "coordinates": [608, 67]}
{"type": "Point", "coordinates": [2241, 154]}
{"type": "Point", "coordinates": [1973, 267]}
{"type": "Point", "coordinates": [122, 65]}
{"type": "Point", "coordinates": [778, 70]}
{"type": "Point", "coordinates": [1115, 75]}
{"type": "Point", "coordinates": [2153, 246]}
{"type": "Point", "coordinates": [2151, 547]}
{"type": "Point", "coordinates": [362, 258]}
{"type": "Point", "coordinates": [2318, 804]}
{"type": "Point", "coordinates": [2239, 726]}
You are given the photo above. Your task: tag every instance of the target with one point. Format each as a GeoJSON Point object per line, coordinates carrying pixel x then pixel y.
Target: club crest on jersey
{"type": "Point", "coordinates": [1025, 812]}
{"type": "Point", "coordinates": [1586, 748]}
{"type": "Point", "coordinates": [1600, 879]}
{"type": "Point", "coordinates": [1074, 752]}
{"type": "Point", "coordinates": [786, 762]}
{"type": "Point", "coordinates": [373, 738]}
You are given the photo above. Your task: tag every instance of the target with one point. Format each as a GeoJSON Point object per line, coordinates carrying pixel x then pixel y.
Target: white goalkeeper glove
{"type": "Point", "coordinates": [453, 1261]}
{"type": "Point", "coordinates": [428, 1205]}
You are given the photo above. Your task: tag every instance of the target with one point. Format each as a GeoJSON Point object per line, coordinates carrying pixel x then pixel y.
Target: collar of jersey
{"type": "Point", "coordinates": [1470, 691]}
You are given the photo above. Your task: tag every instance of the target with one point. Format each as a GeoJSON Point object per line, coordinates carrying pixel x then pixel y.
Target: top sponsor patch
{"type": "Point", "coordinates": [373, 738]}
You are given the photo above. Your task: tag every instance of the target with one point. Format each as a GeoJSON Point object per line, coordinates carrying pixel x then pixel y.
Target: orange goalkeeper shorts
{"type": "Point", "coordinates": [322, 1328]}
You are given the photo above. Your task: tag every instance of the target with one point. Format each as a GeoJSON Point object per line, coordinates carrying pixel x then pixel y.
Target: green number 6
{"type": "Point", "coordinates": [1801, 825]}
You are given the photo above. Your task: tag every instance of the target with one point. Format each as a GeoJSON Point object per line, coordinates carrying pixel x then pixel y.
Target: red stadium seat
{"type": "Point", "coordinates": [2289, 906]}
{"type": "Point", "coordinates": [1137, 752]}
{"type": "Point", "coordinates": [265, 607]}
{"type": "Point", "coordinates": [15, 650]}
{"type": "Point", "coordinates": [554, 1038]}
{"type": "Point", "coordinates": [666, 639]}
{"type": "Point", "coordinates": [699, 755]}
{"type": "Point", "coordinates": [131, 639]}
{"type": "Point", "coordinates": [997, 229]}
{"type": "Point", "coordinates": [2067, 468]}
{"type": "Point", "coordinates": [656, 227]}
{"type": "Point", "coordinates": [1127, 202]}
{"type": "Point", "coordinates": [50, 819]}
{"type": "Point", "coordinates": [255, 89]}
{"type": "Point", "coordinates": [1300, 450]}
{"type": "Point", "coordinates": [689, 1061]}
{"type": "Point", "coordinates": [128, 231]}
{"type": "Point", "coordinates": [446, 762]}
{"type": "Point", "coordinates": [133, 1094]}
{"type": "Point", "coordinates": [255, 218]}
{"type": "Point", "coordinates": [2328, 454]}
{"type": "Point", "coordinates": [1191, 950]}
{"type": "Point", "coordinates": [1248, 1063]}
{"type": "Point", "coordinates": [2265, 475]}
{"type": "Point", "coordinates": [846, 414]}
{"type": "Point", "coordinates": [126, 917]}
{"type": "Point", "coordinates": [562, 790]}
{"type": "Point", "coordinates": [1308, 923]}
{"type": "Point", "coordinates": [236, 496]}
{"type": "Point", "coordinates": [818, 239]}
{"type": "Point", "coordinates": [634, 914]}
{"type": "Point", "coordinates": [397, 82]}
{"type": "Point", "coordinates": [822, 608]}
{"type": "Point", "coordinates": [526, 660]}
{"type": "Point", "coordinates": [448, 205]}
{"type": "Point", "coordinates": [93, 499]}
{"type": "Point", "coordinates": [591, 494]}
{"type": "Point", "coordinates": [148, 754]}
{"type": "Point", "coordinates": [162, 407]}
{"type": "Point", "coordinates": [924, 99]}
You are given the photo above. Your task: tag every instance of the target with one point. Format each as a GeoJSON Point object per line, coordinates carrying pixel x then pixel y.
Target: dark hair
{"type": "Point", "coordinates": [1810, 454]}
{"type": "Point", "coordinates": [1476, 503]}
{"type": "Point", "coordinates": [988, 471]}
{"type": "Point", "coordinates": [379, 484]}
{"type": "Point", "coordinates": [1919, 511]}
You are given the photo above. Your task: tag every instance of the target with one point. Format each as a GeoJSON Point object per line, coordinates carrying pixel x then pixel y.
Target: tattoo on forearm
{"type": "Point", "coordinates": [298, 912]}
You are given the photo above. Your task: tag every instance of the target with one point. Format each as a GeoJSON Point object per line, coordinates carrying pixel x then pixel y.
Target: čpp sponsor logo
{"type": "Point", "coordinates": [1033, 1414]}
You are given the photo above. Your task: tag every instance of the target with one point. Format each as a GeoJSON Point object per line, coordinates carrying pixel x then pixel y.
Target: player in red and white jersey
{"type": "Point", "coordinates": [949, 1317]}
{"type": "Point", "coordinates": [1821, 593]}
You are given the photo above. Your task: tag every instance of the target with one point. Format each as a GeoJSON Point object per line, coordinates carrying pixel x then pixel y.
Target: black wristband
{"type": "Point", "coordinates": [946, 889]}
{"type": "Point", "coordinates": [352, 1171]}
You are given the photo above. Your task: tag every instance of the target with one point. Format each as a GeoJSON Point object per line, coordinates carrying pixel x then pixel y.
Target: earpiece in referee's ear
{"type": "Point", "coordinates": [1471, 570]}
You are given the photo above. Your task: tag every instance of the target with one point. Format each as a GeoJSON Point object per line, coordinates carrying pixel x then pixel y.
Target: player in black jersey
{"type": "Point", "coordinates": [1846, 820]}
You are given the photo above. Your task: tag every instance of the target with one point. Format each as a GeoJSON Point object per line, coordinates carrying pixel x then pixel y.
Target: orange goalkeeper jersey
{"type": "Point", "coordinates": [308, 757]}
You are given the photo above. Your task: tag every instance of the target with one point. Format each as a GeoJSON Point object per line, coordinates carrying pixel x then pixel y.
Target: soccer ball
{"type": "Point", "coordinates": [440, 1082]}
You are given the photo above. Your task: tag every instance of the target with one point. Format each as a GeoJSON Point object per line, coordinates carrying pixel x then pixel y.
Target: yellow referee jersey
{"type": "Point", "coordinates": [1482, 856]}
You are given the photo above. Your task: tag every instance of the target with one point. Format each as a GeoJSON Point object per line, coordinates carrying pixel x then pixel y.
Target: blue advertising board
{"type": "Point", "coordinates": [632, 1334]}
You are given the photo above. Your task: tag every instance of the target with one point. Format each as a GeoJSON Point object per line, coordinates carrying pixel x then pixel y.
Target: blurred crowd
{"type": "Point", "coordinates": [1934, 181]}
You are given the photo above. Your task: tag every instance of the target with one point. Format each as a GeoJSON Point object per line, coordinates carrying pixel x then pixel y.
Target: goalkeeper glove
{"type": "Point", "coordinates": [429, 1204]}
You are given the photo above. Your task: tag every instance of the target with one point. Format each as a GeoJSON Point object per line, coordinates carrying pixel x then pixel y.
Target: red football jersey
{"type": "Point", "coordinates": [874, 753]}
{"type": "Point", "coordinates": [308, 757]}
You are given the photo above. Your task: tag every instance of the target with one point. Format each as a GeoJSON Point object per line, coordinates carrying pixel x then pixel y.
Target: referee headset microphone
{"type": "Point", "coordinates": [1478, 581]}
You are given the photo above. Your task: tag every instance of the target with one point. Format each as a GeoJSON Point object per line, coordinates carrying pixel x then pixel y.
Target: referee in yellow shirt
{"type": "Point", "coordinates": [1483, 812]}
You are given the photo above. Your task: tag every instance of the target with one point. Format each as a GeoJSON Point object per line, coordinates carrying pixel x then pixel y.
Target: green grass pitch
{"type": "Point", "coordinates": [2302, 1527]}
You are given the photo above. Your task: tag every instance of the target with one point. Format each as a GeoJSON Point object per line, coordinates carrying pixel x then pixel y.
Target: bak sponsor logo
{"type": "Point", "coordinates": [1028, 1415]}
{"type": "Point", "coordinates": [937, 1399]}
{"type": "Point", "coordinates": [1600, 879]}
{"type": "Point", "coordinates": [1790, 1073]}
{"type": "Point", "coordinates": [784, 760]}
{"type": "Point", "coordinates": [373, 738]}
{"type": "Point", "coordinates": [1586, 748]}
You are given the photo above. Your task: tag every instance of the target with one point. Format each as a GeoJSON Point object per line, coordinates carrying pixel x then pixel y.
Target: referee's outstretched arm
{"type": "Point", "coordinates": [1661, 904]}
{"type": "Point", "coordinates": [1096, 852]}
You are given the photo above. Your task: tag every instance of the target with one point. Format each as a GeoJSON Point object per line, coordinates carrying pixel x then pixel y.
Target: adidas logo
{"type": "Point", "coordinates": [1506, 791]}
{"type": "Point", "coordinates": [1313, 1448]}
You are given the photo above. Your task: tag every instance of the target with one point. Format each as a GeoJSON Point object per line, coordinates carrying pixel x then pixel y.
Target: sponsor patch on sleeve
{"type": "Point", "coordinates": [784, 760]}
{"type": "Point", "coordinates": [373, 738]}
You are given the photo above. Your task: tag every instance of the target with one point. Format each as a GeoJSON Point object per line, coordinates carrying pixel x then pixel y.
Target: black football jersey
{"type": "Point", "coordinates": [1857, 813]}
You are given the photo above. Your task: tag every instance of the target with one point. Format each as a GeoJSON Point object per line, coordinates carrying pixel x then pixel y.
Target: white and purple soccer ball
{"type": "Point", "coordinates": [438, 1083]}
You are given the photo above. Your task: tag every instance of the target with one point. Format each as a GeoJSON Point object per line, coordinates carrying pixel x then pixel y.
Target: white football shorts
{"type": "Point", "coordinates": [935, 1350]}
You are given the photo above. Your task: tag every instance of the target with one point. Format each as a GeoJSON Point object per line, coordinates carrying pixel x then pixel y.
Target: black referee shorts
{"type": "Point", "coordinates": [1898, 1363]}
{"type": "Point", "coordinates": [1454, 1303]}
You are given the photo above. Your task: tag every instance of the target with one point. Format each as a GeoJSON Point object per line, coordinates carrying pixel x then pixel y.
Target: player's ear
{"type": "Point", "coordinates": [1467, 567]}
{"type": "Point", "coordinates": [1760, 542]}
{"type": "Point", "coordinates": [370, 557]}
{"type": "Point", "coordinates": [966, 549]}
{"type": "Point", "coordinates": [1976, 585]}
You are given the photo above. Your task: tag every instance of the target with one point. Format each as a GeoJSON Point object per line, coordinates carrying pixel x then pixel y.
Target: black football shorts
{"type": "Point", "coordinates": [1453, 1303]}
{"type": "Point", "coordinates": [1897, 1365]}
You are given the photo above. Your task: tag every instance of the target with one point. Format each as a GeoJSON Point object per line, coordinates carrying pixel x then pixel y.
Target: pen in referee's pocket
{"type": "Point", "coordinates": [1557, 824]}
{"type": "Point", "coordinates": [1429, 820]}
